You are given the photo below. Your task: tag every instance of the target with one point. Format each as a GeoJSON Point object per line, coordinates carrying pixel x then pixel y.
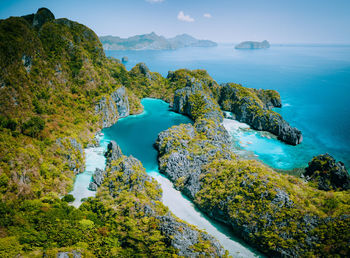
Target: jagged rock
{"type": "Point", "coordinates": [183, 237]}
{"type": "Point", "coordinates": [190, 99]}
{"type": "Point", "coordinates": [73, 153]}
{"type": "Point", "coordinates": [327, 173]}
{"type": "Point", "coordinates": [113, 152]}
{"type": "Point", "coordinates": [42, 15]}
{"type": "Point", "coordinates": [121, 100]}
{"type": "Point", "coordinates": [143, 70]}
{"type": "Point", "coordinates": [73, 254]}
{"type": "Point", "coordinates": [253, 107]}
{"type": "Point", "coordinates": [107, 109]}
{"type": "Point", "coordinates": [98, 176]}
{"type": "Point", "coordinates": [27, 62]}
{"type": "Point", "coordinates": [93, 186]}
{"type": "Point", "coordinates": [182, 165]}
{"type": "Point", "coordinates": [113, 107]}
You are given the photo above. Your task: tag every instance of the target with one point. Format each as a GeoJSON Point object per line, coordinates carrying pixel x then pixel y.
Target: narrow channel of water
{"type": "Point", "coordinates": [136, 135]}
{"type": "Point", "coordinates": [94, 158]}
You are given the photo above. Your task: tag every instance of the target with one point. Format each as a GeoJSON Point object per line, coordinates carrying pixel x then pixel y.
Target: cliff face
{"type": "Point", "coordinates": [253, 45]}
{"type": "Point", "coordinates": [56, 83]}
{"type": "Point", "coordinates": [327, 174]}
{"type": "Point", "coordinates": [112, 107]}
{"type": "Point", "coordinates": [254, 108]}
{"type": "Point", "coordinates": [278, 214]}
{"type": "Point", "coordinates": [127, 175]}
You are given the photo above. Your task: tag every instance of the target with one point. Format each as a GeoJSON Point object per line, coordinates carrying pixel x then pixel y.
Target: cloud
{"type": "Point", "coordinates": [207, 15]}
{"type": "Point", "coordinates": [186, 18]}
{"type": "Point", "coordinates": [154, 1]}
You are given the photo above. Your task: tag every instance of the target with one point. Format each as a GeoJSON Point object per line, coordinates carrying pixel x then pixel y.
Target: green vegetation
{"type": "Point", "coordinates": [278, 211]}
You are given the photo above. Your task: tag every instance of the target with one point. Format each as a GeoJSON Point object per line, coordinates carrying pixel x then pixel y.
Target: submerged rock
{"type": "Point", "coordinates": [327, 173]}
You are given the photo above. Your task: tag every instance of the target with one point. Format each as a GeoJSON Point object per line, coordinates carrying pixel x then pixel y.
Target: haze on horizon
{"type": "Point", "coordinates": [226, 21]}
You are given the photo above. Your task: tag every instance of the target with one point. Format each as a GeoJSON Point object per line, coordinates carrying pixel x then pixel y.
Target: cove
{"type": "Point", "coordinates": [136, 135]}
{"type": "Point", "coordinates": [313, 80]}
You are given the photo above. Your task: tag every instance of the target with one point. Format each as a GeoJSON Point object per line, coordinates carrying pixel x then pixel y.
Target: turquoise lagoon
{"type": "Point", "coordinates": [313, 80]}
{"type": "Point", "coordinates": [136, 135]}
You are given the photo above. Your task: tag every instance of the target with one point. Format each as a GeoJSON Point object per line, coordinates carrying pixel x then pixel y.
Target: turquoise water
{"type": "Point", "coordinates": [136, 135]}
{"type": "Point", "coordinates": [94, 158]}
{"type": "Point", "coordinates": [314, 83]}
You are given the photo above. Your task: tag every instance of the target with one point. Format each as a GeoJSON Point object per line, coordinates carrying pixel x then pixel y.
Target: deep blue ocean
{"type": "Point", "coordinates": [314, 83]}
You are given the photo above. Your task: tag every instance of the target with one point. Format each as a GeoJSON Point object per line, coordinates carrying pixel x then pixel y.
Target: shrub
{"type": "Point", "coordinates": [68, 198]}
{"type": "Point", "coordinates": [33, 126]}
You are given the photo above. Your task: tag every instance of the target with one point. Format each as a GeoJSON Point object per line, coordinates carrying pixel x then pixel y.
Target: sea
{"type": "Point", "coordinates": [313, 81]}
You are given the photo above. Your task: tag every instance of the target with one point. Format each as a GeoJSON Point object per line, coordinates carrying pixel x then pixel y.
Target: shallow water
{"type": "Point", "coordinates": [314, 83]}
{"type": "Point", "coordinates": [136, 136]}
{"type": "Point", "coordinates": [94, 158]}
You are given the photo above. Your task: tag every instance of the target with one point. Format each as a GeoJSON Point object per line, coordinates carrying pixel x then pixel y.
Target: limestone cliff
{"type": "Point", "coordinates": [254, 108]}
{"type": "Point", "coordinates": [127, 174]}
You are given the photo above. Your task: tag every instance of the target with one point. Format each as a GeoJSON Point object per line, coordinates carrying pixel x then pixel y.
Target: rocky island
{"type": "Point", "coordinates": [253, 45]}
{"type": "Point", "coordinates": [58, 89]}
{"type": "Point", "coordinates": [153, 41]}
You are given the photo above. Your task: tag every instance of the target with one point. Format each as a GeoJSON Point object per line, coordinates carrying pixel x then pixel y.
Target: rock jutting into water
{"type": "Point", "coordinates": [125, 59]}
{"type": "Point", "coordinates": [253, 45]}
{"type": "Point", "coordinates": [254, 108]}
{"type": "Point", "coordinates": [244, 194]}
{"type": "Point", "coordinates": [327, 173]}
{"type": "Point", "coordinates": [127, 174]}
{"type": "Point", "coordinates": [112, 107]}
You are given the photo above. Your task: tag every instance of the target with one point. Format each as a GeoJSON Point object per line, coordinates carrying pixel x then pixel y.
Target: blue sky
{"type": "Point", "coordinates": [279, 21]}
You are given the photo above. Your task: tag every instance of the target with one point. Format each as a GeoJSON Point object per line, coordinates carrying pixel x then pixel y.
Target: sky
{"type": "Point", "coordinates": [226, 21]}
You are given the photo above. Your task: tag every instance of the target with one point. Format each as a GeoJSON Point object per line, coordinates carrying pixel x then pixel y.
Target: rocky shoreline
{"type": "Point", "coordinates": [127, 174]}
{"type": "Point", "coordinates": [246, 195]}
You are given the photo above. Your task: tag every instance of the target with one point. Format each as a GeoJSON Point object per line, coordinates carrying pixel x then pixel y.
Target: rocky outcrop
{"type": "Point", "coordinates": [113, 152]}
{"type": "Point", "coordinates": [141, 69]}
{"type": "Point", "coordinates": [125, 59]}
{"type": "Point", "coordinates": [183, 237]}
{"type": "Point", "coordinates": [127, 174]}
{"type": "Point", "coordinates": [73, 153]}
{"type": "Point", "coordinates": [254, 108]}
{"type": "Point", "coordinates": [97, 179]}
{"type": "Point", "coordinates": [73, 254]}
{"type": "Point", "coordinates": [253, 45]}
{"type": "Point", "coordinates": [110, 108]}
{"type": "Point", "coordinates": [327, 173]}
{"type": "Point", "coordinates": [182, 158]}
{"type": "Point", "coordinates": [107, 109]}
{"type": "Point", "coordinates": [120, 99]}
{"type": "Point", "coordinates": [193, 101]}
{"type": "Point", "coordinates": [43, 15]}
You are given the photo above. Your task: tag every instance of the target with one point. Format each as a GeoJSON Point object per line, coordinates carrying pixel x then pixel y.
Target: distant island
{"type": "Point", "coordinates": [253, 45]}
{"type": "Point", "coordinates": [153, 41]}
